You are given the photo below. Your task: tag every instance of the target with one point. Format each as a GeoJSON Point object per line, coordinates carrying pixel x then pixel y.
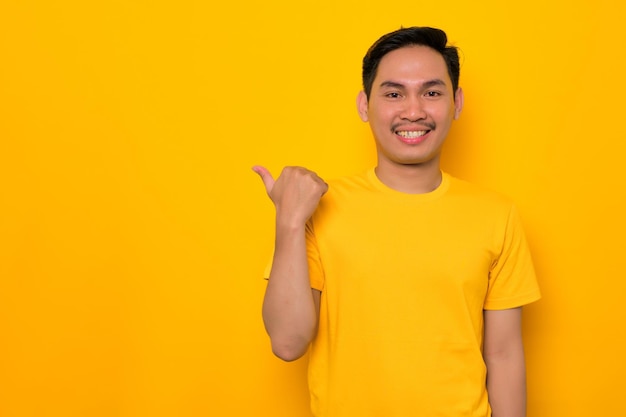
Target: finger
{"type": "Point", "coordinates": [322, 183]}
{"type": "Point", "coordinates": [325, 189]}
{"type": "Point", "coordinates": [266, 176]}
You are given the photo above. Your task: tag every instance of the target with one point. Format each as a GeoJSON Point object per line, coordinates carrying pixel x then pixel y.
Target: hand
{"type": "Point", "coordinates": [295, 193]}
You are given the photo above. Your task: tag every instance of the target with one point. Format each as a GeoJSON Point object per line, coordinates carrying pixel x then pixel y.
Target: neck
{"type": "Point", "coordinates": [410, 179]}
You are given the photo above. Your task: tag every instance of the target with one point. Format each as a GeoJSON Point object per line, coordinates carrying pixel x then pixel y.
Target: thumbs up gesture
{"type": "Point", "coordinates": [295, 193]}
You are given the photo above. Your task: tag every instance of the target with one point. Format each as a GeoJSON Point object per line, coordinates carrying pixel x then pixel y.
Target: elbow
{"type": "Point", "coordinates": [287, 356]}
{"type": "Point", "coordinates": [289, 352]}
{"type": "Point", "coordinates": [506, 357]}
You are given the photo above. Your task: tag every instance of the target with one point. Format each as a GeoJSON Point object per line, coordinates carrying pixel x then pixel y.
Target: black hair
{"type": "Point", "coordinates": [424, 36]}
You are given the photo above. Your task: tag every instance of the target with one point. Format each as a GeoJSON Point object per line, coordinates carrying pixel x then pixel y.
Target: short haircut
{"type": "Point", "coordinates": [413, 36]}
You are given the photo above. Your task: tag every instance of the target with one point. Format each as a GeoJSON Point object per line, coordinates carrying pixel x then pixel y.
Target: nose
{"type": "Point", "coordinates": [413, 109]}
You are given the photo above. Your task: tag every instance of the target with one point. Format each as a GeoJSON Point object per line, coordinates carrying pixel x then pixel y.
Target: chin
{"type": "Point", "coordinates": [415, 159]}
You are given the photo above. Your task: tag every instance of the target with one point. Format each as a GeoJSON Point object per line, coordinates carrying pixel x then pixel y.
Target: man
{"type": "Point", "coordinates": [406, 283]}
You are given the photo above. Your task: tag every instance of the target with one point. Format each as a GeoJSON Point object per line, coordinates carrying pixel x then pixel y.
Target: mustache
{"type": "Point", "coordinates": [420, 126]}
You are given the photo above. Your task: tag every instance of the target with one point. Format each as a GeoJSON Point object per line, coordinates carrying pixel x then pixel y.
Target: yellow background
{"type": "Point", "coordinates": [133, 233]}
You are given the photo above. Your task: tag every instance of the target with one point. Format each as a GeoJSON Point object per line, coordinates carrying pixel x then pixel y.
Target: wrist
{"type": "Point", "coordinates": [289, 222]}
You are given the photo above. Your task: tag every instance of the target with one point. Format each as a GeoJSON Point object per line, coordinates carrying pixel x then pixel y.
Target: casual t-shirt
{"type": "Point", "coordinates": [404, 280]}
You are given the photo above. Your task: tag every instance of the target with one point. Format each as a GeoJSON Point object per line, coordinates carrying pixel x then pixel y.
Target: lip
{"type": "Point", "coordinates": [412, 140]}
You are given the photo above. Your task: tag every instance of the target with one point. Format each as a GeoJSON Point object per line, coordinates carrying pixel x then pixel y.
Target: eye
{"type": "Point", "coordinates": [393, 94]}
{"type": "Point", "coordinates": [433, 94]}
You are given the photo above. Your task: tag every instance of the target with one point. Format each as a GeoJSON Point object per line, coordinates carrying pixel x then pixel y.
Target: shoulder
{"type": "Point", "coordinates": [346, 196]}
{"type": "Point", "coordinates": [480, 204]}
{"type": "Point", "coordinates": [470, 193]}
{"type": "Point", "coordinates": [354, 181]}
{"type": "Point", "coordinates": [349, 186]}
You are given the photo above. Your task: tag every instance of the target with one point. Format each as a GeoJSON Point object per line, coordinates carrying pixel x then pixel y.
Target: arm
{"type": "Point", "coordinates": [290, 306]}
{"type": "Point", "coordinates": [504, 356]}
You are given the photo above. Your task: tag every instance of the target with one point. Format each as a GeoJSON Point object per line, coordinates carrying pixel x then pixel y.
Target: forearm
{"type": "Point", "coordinates": [506, 383]}
{"type": "Point", "coordinates": [289, 310]}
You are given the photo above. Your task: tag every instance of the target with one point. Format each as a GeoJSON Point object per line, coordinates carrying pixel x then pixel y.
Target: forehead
{"type": "Point", "coordinates": [412, 64]}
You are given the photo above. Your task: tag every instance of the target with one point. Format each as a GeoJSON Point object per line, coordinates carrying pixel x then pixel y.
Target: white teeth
{"type": "Point", "coordinates": [411, 133]}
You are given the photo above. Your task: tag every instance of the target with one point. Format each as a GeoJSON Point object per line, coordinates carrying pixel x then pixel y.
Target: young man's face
{"type": "Point", "coordinates": [411, 106]}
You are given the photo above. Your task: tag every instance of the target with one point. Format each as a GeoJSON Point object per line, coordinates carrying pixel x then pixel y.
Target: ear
{"type": "Point", "coordinates": [361, 105]}
{"type": "Point", "coordinates": [458, 103]}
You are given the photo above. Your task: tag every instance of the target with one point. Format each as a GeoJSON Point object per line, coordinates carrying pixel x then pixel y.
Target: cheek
{"type": "Point", "coordinates": [384, 115]}
{"type": "Point", "coordinates": [443, 114]}
{"type": "Point", "coordinates": [380, 124]}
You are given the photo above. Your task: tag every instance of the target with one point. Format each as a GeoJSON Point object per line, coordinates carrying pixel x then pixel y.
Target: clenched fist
{"type": "Point", "coordinates": [295, 193]}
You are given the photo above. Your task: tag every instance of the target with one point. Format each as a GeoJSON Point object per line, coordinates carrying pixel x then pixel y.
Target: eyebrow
{"type": "Point", "coordinates": [434, 83]}
{"type": "Point", "coordinates": [427, 84]}
{"type": "Point", "coordinates": [391, 84]}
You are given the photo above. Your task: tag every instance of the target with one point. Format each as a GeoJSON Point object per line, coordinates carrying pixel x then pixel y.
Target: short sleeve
{"type": "Point", "coordinates": [512, 279]}
{"type": "Point", "coordinates": [316, 270]}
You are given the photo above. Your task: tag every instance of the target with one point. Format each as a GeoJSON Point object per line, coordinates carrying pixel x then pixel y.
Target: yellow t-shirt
{"type": "Point", "coordinates": [405, 279]}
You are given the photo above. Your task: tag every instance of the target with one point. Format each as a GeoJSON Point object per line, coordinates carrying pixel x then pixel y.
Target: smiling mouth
{"type": "Point", "coordinates": [411, 134]}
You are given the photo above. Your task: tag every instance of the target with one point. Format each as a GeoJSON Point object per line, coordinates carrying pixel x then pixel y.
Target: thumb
{"type": "Point", "coordinates": [266, 176]}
